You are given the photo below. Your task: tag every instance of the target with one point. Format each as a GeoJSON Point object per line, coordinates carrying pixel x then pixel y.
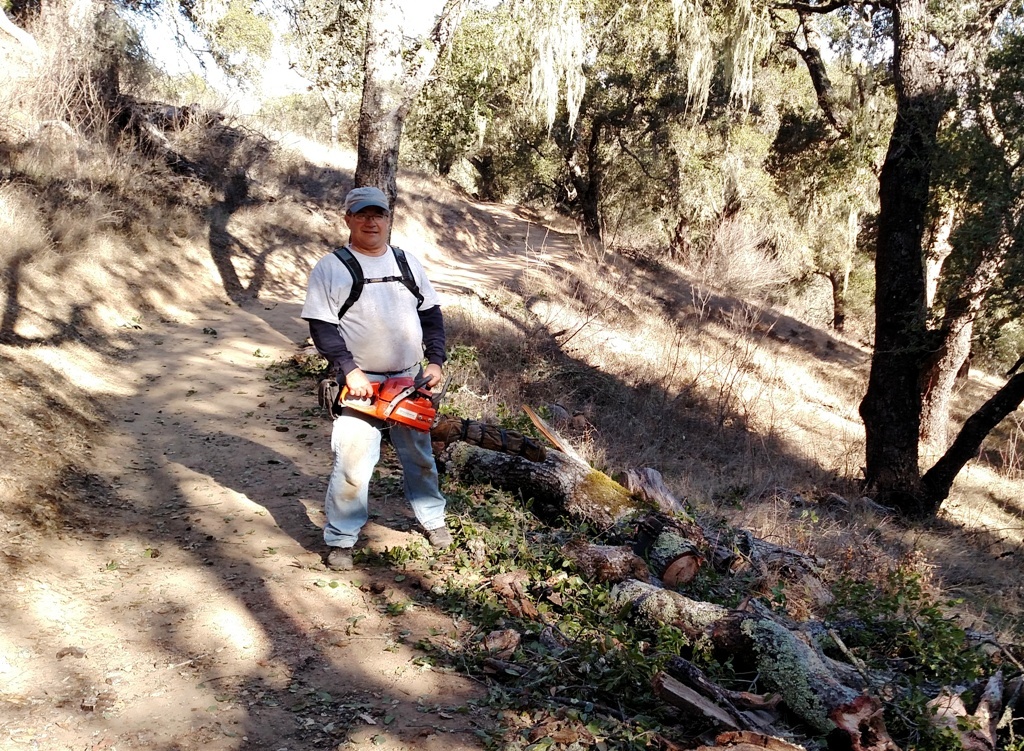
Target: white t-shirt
{"type": "Point", "coordinates": [382, 328]}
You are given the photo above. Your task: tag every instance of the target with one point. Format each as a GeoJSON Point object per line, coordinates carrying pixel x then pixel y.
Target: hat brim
{"type": "Point", "coordinates": [367, 203]}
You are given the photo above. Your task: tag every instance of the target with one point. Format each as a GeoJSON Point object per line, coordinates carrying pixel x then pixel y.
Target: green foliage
{"type": "Point", "coordinates": [328, 36]}
{"type": "Point", "coordinates": [238, 33]}
{"type": "Point", "coordinates": [296, 372]}
{"type": "Point", "coordinates": [900, 620]}
{"type": "Point", "coordinates": [899, 625]}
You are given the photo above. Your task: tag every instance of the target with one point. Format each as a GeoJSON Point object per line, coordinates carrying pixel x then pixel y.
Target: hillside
{"type": "Point", "coordinates": [162, 578]}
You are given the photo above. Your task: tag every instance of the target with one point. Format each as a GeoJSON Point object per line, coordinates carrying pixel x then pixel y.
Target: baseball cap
{"type": "Point", "coordinates": [361, 198]}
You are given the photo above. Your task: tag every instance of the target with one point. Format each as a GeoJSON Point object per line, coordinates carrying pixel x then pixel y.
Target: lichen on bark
{"type": "Point", "coordinates": [789, 666]}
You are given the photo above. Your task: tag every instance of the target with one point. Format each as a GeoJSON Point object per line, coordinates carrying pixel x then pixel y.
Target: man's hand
{"type": "Point", "coordinates": [433, 372]}
{"type": "Point", "coordinates": [359, 386]}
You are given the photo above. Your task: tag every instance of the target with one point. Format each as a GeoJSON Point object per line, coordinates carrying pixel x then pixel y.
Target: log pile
{"type": "Point", "coordinates": [807, 674]}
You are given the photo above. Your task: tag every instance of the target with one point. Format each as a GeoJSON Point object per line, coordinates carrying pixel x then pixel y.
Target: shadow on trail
{"type": "Point", "coordinates": [271, 480]}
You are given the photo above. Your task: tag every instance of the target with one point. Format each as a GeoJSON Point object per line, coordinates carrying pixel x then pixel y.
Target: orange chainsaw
{"type": "Point", "coordinates": [402, 400]}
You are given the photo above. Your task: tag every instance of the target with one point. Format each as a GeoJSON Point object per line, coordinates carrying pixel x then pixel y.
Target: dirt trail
{"type": "Point", "coordinates": [190, 608]}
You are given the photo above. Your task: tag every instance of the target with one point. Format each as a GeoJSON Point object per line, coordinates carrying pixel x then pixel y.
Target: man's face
{"type": "Point", "coordinates": [369, 228]}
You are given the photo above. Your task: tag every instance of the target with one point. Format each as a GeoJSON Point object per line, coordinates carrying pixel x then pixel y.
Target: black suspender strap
{"type": "Point", "coordinates": [407, 278]}
{"type": "Point", "coordinates": [345, 256]}
{"type": "Point", "coordinates": [358, 280]}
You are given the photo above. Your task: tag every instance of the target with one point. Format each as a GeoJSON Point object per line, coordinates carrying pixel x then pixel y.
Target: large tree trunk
{"type": "Point", "coordinates": [891, 408]}
{"type": "Point", "coordinates": [924, 80]}
{"type": "Point", "coordinates": [389, 88]}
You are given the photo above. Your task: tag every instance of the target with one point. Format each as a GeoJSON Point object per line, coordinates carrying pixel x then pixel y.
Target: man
{"type": "Point", "coordinates": [386, 331]}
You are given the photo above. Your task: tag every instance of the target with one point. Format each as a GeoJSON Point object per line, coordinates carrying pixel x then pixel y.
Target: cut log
{"type": "Point", "coordinates": [606, 563]}
{"type": "Point", "coordinates": [448, 430]}
{"type": "Point", "coordinates": [672, 547]}
{"type": "Point", "coordinates": [653, 606]}
{"type": "Point", "coordinates": [559, 487]}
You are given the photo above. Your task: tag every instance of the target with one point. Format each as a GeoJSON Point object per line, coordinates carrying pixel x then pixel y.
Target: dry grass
{"type": "Point", "coordinates": [751, 416]}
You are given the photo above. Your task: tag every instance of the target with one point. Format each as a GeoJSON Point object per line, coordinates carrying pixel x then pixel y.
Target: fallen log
{"type": "Point", "coordinates": [811, 685]}
{"type": "Point", "coordinates": [448, 430]}
{"type": "Point", "coordinates": [672, 547]}
{"type": "Point", "coordinates": [559, 487]}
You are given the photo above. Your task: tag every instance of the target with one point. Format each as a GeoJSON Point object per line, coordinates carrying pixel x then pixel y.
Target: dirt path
{"type": "Point", "coordinates": [190, 609]}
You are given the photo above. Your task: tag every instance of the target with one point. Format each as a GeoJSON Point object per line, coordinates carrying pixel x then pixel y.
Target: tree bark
{"type": "Point", "coordinates": [954, 347]}
{"type": "Point", "coordinates": [448, 430]}
{"type": "Point", "coordinates": [839, 281]}
{"type": "Point", "coordinates": [891, 408]}
{"type": "Point", "coordinates": [558, 487]}
{"type": "Point", "coordinates": [671, 547]}
{"type": "Point", "coordinates": [389, 88]}
{"type": "Point", "coordinates": [938, 480]}
{"type": "Point", "coordinates": [824, 694]}
{"type": "Point", "coordinates": [606, 563]}
{"type": "Point", "coordinates": [830, 104]}
{"type": "Point", "coordinates": [925, 79]}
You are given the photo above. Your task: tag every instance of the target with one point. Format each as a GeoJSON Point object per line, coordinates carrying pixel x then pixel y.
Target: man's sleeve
{"type": "Point", "coordinates": [331, 345]}
{"type": "Point", "coordinates": [432, 323]}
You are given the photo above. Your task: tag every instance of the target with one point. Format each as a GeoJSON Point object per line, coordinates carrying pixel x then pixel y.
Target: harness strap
{"type": "Point", "coordinates": [407, 279]}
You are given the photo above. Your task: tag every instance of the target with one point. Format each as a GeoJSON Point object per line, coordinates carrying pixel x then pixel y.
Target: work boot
{"type": "Point", "coordinates": [440, 537]}
{"type": "Point", "coordinates": [340, 559]}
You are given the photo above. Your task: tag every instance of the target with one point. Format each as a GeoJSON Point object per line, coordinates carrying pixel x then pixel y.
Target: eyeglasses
{"type": "Point", "coordinates": [369, 217]}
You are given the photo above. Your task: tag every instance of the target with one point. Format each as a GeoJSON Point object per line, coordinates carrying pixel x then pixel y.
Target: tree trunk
{"type": "Point", "coordinates": [487, 181]}
{"type": "Point", "coordinates": [384, 104]}
{"type": "Point", "coordinates": [590, 197]}
{"type": "Point", "coordinates": [891, 408]}
{"type": "Point", "coordinates": [831, 105]}
{"type": "Point", "coordinates": [943, 366]}
{"type": "Point", "coordinates": [838, 282]}
{"type": "Point", "coordinates": [389, 88]}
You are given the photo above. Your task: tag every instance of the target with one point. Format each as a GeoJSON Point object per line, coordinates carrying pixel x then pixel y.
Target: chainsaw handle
{"type": "Point", "coordinates": [421, 381]}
